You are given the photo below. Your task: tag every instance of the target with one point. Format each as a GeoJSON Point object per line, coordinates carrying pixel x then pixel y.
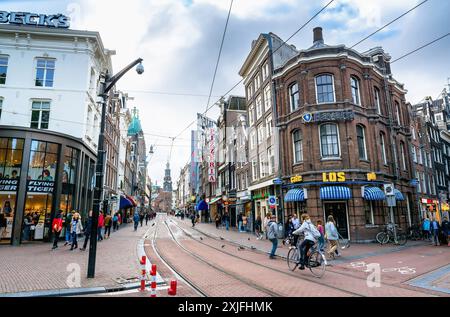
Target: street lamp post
{"type": "Point", "coordinates": [107, 84]}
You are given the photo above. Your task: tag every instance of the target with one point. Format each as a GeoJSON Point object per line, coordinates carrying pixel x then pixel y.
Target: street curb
{"type": "Point", "coordinates": [58, 292]}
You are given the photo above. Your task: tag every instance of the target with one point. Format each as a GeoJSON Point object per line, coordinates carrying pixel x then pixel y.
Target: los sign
{"type": "Point", "coordinates": [333, 177]}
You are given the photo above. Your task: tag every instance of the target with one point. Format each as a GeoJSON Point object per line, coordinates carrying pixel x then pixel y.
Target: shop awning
{"type": "Point", "coordinates": [335, 193]}
{"type": "Point", "coordinates": [125, 202]}
{"type": "Point", "coordinates": [213, 201]}
{"type": "Point", "coordinates": [398, 195]}
{"type": "Point", "coordinates": [133, 201]}
{"type": "Point", "coordinates": [373, 193]}
{"type": "Point", "coordinates": [296, 194]}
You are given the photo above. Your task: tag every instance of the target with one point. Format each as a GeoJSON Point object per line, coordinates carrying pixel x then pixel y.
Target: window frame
{"type": "Point", "coordinates": [269, 122]}
{"type": "Point", "coordinates": [363, 129]}
{"type": "Point", "coordinates": [337, 138]}
{"type": "Point", "coordinates": [45, 80]}
{"type": "Point", "coordinates": [357, 88]}
{"type": "Point", "coordinates": [383, 148]}
{"type": "Point", "coordinates": [377, 97]}
{"type": "Point", "coordinates": [267, 100]}
{"type": "Point", "coordinates": [6, 57]}
{"type": "Point", "coordinates": [332, 85]}
{"type": "Point", "coordinates": [292, 106]}
{"type": "Point", "coordinates": [297, 160]}
{"type": "Point", "coordinates": [402, 152]}
{"type": "Point", "coordinates": [40, 110]}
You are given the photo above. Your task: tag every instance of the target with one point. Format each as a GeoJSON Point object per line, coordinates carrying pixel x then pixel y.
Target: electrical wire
{"type": "Point", "coordinates": [220, 53]}
{"type": "Point", "coordinates": [386, 25]}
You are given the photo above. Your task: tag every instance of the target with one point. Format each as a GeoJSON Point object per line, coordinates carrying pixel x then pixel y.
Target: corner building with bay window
{"type": "Point", "coordinates": [49, 126]}
{"type": "Point", "coordinates": [344, 132]}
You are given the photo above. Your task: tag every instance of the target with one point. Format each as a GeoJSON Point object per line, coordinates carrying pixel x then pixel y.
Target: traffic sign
{"type": "Point", "coordinates": [272, 201]}
{"type": "Point", "coordinates": [277, 181]}
{"type": "Point", "coordinates": [391, 201]}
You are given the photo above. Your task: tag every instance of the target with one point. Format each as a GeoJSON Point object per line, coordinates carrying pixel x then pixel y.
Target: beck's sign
{"type": "Point", "coordinates": [26, 18]}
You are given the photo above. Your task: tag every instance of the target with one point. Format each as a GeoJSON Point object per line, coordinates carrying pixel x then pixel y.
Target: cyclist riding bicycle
{"type": "Point", "coordinates": [311, 234]}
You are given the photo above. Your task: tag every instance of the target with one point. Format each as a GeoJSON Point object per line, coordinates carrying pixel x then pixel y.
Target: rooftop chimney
{"type": "Point", "coordinates": [318, 37]}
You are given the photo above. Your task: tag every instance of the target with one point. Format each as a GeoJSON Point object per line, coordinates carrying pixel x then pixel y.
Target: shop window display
{"type": "Point", "coordinates": [11, 151]}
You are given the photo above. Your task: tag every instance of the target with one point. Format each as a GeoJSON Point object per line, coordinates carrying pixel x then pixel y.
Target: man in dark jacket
{"type": "Point", "coordinates": [87, 231]}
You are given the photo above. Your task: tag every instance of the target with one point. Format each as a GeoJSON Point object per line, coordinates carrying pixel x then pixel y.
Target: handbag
{"type": "Point", "coordinates": [33, 227]}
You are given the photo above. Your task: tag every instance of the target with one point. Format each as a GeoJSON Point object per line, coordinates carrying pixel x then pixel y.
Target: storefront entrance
{"type": "Point", "coordinates": [339, 212]}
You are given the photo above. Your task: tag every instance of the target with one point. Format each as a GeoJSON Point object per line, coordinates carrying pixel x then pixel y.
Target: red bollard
{"type": "Point", "coordinates": [173, 288]}
{"type": "Point", "coordinates": [153, 272]}
{"type": "Point", "coordinates": [143, 261]}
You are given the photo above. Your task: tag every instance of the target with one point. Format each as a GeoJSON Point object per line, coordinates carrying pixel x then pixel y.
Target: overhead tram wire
{"type": "Point", "coordinates": [271, 54]}
{"type": "Point", "coordinates": [154, 92]}
{"type": "Point", "coordinates": [220, 53]}
{"type": "Point", "coordinates": [386, 25]}
{"type": "Point", "coordinates": [420, 48]}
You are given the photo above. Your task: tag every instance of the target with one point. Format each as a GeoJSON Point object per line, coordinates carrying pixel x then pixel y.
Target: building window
{"type": "Point", "coordinates": [419, 156]}
{"type": "Point", "coordinates": [414, 155]}
{"type": "Point", "coordinates": [377, 99]}
{"type": "Point", "coordinates": [45, 72]}
{"type": "Point", "coordinates": [257, 82]}
{"type": "Point", "coordinates": [360, 134]}
{"type": "Point", "coordinates": [262, 165]}
{"type": "Point", "coordinates": [258, 107]}
{"type": "Point", "coordinates": [40, 114]}
{"type": "Point", "coordinates": [324, 88]}
{"type": "Point", "coordinates": [260, 133]}
{"type": "Point", "coordinates": [1, 107]}
{"type": "Point", "coordinates": [3, 69]}
{"type": "Point", "coordinates": [419, 186]}
{"type": "Point", "coordinates": [368, 211]}
{"type": "Point", "coordinates": [383, 148]}
{"type": "Point", "coordinates": [252, 139]}
{"type": "Point", "coordinates": [294, 96]}
{"type": "Point", "coordinates": [297, 146]}
{"type": "Point", "coordinates": [271, 160]}
{"type": "Point", "coordinates": [269, 126]}
{"type": "Point", "coordinates": [397, 109]}
{"type": "Point", "coordinates": [254, 170]}
{"type": "Point", "coordinates": [402, 152]}
{"type": "Point", "coordinates": [267, 98]}
{"type": "Point", "coordinates": [251, 114]}
{"type": "Point", "coordinates": [354, 83]}
{"type": "Point", "coordinates": [329, 140]}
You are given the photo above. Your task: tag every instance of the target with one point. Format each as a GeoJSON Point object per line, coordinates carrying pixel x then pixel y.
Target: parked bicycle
{"type": "Point", "coordinates": [315, 259]}
{"type": "Point", "coordinates": [415, 233]}
{"type": "Point", "coordinates": [391, 234]}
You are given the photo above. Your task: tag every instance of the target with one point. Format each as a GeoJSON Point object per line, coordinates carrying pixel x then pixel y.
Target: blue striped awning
{"type": "Point", "coordinates": [373, 193]}
{"type": "Point", "coordinates": [398, 195]}
{"type": "Point", "coordinates": [335, 193]}
{"type": "Point", "coordinates": [296, 194]}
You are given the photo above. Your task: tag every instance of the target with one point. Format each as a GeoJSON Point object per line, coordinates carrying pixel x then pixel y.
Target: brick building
{"type": "Point", "coordinates": [344, 133]}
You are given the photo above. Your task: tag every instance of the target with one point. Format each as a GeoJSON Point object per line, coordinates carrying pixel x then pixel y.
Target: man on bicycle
{"type": "Point", "coordinates": [310, 232]}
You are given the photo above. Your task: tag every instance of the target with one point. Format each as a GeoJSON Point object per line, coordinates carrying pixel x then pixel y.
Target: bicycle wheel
{"type": "Point", "coordinates": [401, 239]}
{"type": "Point", "coordinates": [345, 244]}
{"type": "Point", "coordinates": [382, 237]}
{"type": "Point", "coordinates": [316, 264]}
{"type": "Point", "coordinates": [293, 258]}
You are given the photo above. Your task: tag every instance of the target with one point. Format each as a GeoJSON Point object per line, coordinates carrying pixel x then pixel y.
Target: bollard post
{"type": "Point", "coordinates": [173, 288]}
{"type": "Point", "coordinates": [143, 273]}
{"type": "Point", "coordinates": [153, 281]}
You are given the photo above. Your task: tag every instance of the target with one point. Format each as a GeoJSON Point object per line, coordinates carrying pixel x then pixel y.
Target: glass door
{"type": "Point", "coordinates": [339, 212]}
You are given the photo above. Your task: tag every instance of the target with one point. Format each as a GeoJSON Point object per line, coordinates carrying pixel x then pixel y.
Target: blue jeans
{"type": "Point", "coordinates": [74, 240]}
{"type": "Point", "coordinates": [136, 225]}
{"type": "Point", "coordinates": [227, 224]}
{"type": "Point", "coordinates": [321, 241]}
{"type": "Point", "coordinates": [68, 235]}
{"type": "Point", "coordinates": [436, 236]}
{"type": "Point", "coordinates": [274, 247]}
{"type": "Point", "coordinates": [240, 226]}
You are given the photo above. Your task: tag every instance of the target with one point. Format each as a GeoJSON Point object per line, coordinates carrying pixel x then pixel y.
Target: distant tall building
{"type": "Point", "coordinates": [167, 179]}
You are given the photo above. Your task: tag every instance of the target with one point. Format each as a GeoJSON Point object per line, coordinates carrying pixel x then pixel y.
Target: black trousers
{"type": "Point", "coordinates": [55, 241]}
{"type": "Point", "coordinates": [304, 248]}
{"type": "Point", "coordinates": [87, 234]}
{"type": "Point", "coordinates": [108, 230]}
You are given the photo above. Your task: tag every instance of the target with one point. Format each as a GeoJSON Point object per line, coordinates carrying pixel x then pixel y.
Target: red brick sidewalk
{"type": "Point", "coordinates": [35, 267]}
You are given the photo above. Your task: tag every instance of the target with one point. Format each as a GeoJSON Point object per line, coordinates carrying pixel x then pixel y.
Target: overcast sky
{"type": "Point", "coordinates": [179, 42]}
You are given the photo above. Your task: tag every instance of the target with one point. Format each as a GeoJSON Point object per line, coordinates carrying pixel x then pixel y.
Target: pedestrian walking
{"type": "Point", "coordinates": [87, 231]}
{"type": "Point", "coordinates": [266, 222]}
{"type": "Point", "coordinates": [426, 228]}
{"type": "Point", "coordinates": [217, 219]}
{"type": "Point", "coordinates": [147, 217]}
{"type": "Point", "coordinates": [68, 226]}
{"type": "Point", "coordinates": [332, 236]}
{"type": "Point", "coordinates": [226, 218]}
{"type": "Point", "coordinates": [258, 228]}
{"type": "Point", "coordinates": [244, 223]}
{"type": "Point", "coordinates": [272, 235]}
{"type": "Point", "coordinates": [115, 221]}
{"type": "Point", "coordinates": [101, 224]}
{"type": "Point", "coordinates": [27, 223]}
{"type": "Point", "coordinates": [141, 218]}
{"type": "Point", "coordinates": [119, 220]}
{"type": "Point", "coordinates": [108, 224]}
{"type": "Point", "coordinates": [193, 219]}
{"type": "Point", "coordinates": [239, 220]}
{"type": "Point", "coordinates": [76, 228]}
{"type": "Point", "coordinates": [435, 231]}
{"type": "Point", "coordinates": [3, 224]}
{"type": "Point", "coordinates": [136, 220]}
{"type": "Point", "coordinates": [446, 230]}
{"type": "Point", "coordinates": [321, 239]}
{"type": "Point", "coordinates": [57, 226]}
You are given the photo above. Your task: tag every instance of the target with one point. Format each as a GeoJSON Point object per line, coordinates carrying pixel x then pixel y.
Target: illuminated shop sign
{"type": "Point", "coordinates": [9, 185]}
{"type": "Point", "coordinates": [344, 115]}
{"type": "Point", "coordinates": [40, 186]}
{"type": "Point", "coordinates": [429, 201]}
{"type": "Point", "coordinates": [26, 18]}
{"type": "Point", "coordinates": [371, 176]}
{"type": "Point", "coordinates": [212, 156]}
{"type": "Point", "coordinates": [296, 179]}
{"type": "Point", "coordinates": [333, 177]}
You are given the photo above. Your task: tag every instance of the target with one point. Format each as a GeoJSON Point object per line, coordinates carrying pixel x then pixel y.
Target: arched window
{"type": "Point", "coordinates": [398, 113]}
{"type": "Point", "coordinates": [354, 83]}
{"type": "Point", "coordinates": [329, 140]}
{"type": "Point", "coordinates": [377, 99]}
{"type": "Point", "coordinates": [297, 146]}
{"type": "Point", "coordinates": [402, 153]}
{"type": "Point", "coordinates": [325, 88]}
{"type": "Point", "coordinates": [383, 148]}
{"type": "Point", "coordinates": [361, 136]}
{"type": "Point", "coordinates": [294, 96]}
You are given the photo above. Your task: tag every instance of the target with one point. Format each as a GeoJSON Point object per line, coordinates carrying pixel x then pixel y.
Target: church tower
{"type": "Point", "coordinates": [167, 179]}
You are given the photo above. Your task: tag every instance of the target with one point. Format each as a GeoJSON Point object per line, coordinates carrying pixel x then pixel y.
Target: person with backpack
{"type": "Point", "coordinates": [311, 235]}
{"type": "Point", "coordinates": [272, 235]}
{"type": "Point", "coordinates": [426, 229]}
{"type": "Point", "coordinates": [115, 221]}
{"type": "Point", "coordinates": [136, 220]}
{"type": "Point", "coordinates": [332, 236]}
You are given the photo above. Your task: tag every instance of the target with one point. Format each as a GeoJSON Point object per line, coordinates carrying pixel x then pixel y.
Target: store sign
{"type": "Point", "coordinates": [212, 156]}
{"type": "Point", "coordinates": [371, 176]}
{"type": "Point", "coordinates": [344, 115]}
{"type": "Point", "coordinates": [261, 196]}
{"type": "Point", "coordinates": [333, 177]}
{"type": "Point", "coordinates": [296, 179]}
{"type": "Point", "coordinates": [26, 18]}
{"type": "Point", "coordinates": [40, 186]}
{"type": "Point", "coordinates": [429, 201]}
{"type": "Point", "coordinates": [9, 185]}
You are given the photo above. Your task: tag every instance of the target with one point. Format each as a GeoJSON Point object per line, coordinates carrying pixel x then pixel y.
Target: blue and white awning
{"type": "Point", "coordinates": [296, 194]}
{"type": "Point", "coordinates": [335, 193]}
{"type": "Point", "coordinates": [398, 195]}
{"type": "Point", "coordinates": [373, 193]}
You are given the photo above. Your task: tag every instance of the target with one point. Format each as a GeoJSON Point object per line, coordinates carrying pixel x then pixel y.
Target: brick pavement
{"type": "Point", "coordinates": [32, 267]}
